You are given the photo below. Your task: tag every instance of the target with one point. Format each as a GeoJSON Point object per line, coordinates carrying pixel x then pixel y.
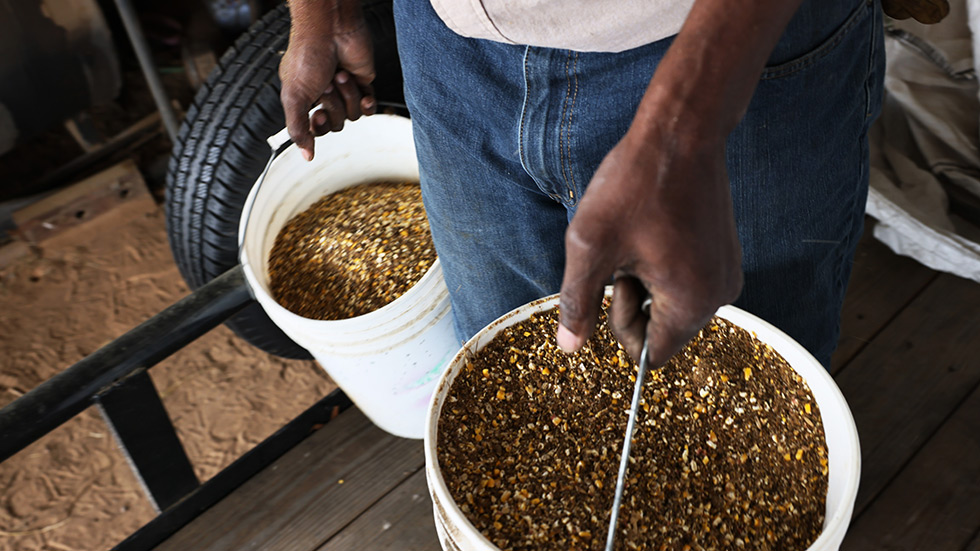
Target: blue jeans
{"type": "Point", "coordinates": [508, 138]}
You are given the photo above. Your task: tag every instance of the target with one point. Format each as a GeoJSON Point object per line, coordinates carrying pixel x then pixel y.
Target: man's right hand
{"type": "Point", "coordinates": [329, 61]}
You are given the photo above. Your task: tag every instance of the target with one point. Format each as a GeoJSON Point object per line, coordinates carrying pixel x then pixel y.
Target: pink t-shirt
{"type": "Point", "coordinates": [583, 25]}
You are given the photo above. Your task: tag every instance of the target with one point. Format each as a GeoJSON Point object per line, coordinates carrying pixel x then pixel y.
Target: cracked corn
{"type": "Point", "coordinates": [352, 252]}
{"type": "Point", "coordinates": [727, 456]}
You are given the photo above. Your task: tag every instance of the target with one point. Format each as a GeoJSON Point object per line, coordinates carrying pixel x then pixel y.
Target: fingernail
{"type": "Point", "coordinates": [328, 89]}
{"type": "Point", "coordinates": [341, 77]}
{"type": "Point", "coordinates": [568, 341]}
{"type": "Point", "coordinates": [307, 154]}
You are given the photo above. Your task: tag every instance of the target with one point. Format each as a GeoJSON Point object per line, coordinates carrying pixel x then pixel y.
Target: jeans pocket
{"type": "Point", "coordinates": [824, 48]}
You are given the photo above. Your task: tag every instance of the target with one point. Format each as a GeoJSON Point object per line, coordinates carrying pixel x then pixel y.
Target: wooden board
{"type": "Point", "coordinates": [882, 283]}
{"type": "Point", "coordinates": [308, 495]}
{"type": "Point", "coordinates": [910, 378]}
{"type": "Point", "coordinates": [84, 201]}
{"type": "Point", "coordinates": [402, 521]}
{"type": "Point", "coordinates": [934, 503]}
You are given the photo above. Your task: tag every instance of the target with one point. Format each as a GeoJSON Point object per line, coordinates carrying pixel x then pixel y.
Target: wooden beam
{"type": "Point", "coordinates": [907, 381]}
{"type": "Point", "coordinates": [81, 202]}
{"type": "Point", "coordinates": [402, 521]}
{"type": "Point", "coordinates": [934, 503]}
{"type": "Point", "coordinates": [311, 493]}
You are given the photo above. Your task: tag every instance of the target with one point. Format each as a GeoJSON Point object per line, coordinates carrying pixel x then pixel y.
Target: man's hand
{"type": "Point", "coordinates": [658, 217]}
{"type": "Point", "coordinates": [329, 61]}
{"type": "Point", "coordinates": [657, 214]}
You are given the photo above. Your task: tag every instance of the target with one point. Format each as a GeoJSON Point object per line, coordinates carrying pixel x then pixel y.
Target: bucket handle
{"type": "Point", "coordinates": [277, 140]}
{"type": "Point", "coordinates": [279, 143]}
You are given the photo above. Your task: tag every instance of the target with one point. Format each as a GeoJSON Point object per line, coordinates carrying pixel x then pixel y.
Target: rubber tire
{"type": "Point", "coordinates": [221, 150]}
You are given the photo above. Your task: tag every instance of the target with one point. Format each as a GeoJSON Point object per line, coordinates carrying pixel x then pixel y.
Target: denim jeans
{"type": "Point", "coordinates": [509, 136]}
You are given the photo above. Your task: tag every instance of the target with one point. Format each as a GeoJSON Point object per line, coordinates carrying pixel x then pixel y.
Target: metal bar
{"type": "Point", "coordinates": [68, 393]}
{"type": "Point", "coordinates": [220, 485]}
{"type": "Point", "coordinates": [137, 418]}
{"type": "Point", "coordinates": [136, 38]}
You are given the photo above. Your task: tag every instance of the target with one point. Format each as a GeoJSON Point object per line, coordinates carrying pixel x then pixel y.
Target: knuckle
{"type": "Point", "coordinates": [331, 104]}
{"type": "Point", "coordinates": [284, 66]}
{"type": "Point", "coordinates": [690, 312]}
{"type": "Point", "coordinates": [577, 238]}
{"type": "Point", "coordinates": [290, 93]}
{"type": "Point", "coordinates": [627, 334]}
{"type": "Point", "coordinates": [348, 90]}
{"type": "Point", "coordinates": [584, 241]}
{"type": "Point", "coordinates": [287, 101]}
{"type": "Point", "coordinates": [297, 131]}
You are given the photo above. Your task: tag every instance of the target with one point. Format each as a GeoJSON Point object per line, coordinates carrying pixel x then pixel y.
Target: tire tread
{"type": "Point", "coordinates": [221, 149]}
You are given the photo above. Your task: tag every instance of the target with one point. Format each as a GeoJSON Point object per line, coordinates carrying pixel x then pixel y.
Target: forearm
{"type": "Point", "coordinates": [322, 17]}
{"type": "Point", "coordinates": [705, 81]}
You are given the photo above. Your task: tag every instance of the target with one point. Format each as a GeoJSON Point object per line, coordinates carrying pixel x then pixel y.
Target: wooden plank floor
{"type": "Point", "coordinates": [908, 363]}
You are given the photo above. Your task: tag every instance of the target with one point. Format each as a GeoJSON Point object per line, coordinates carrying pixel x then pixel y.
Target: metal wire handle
{"type": "Point", "coordinates": [630, 429]}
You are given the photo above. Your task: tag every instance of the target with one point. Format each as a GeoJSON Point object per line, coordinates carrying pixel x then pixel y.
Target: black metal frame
{"type": "Point", "coordinates": [234, 475]}
{"type": "Point", "coordinates": [115, 379]}
{"type": "Point", "coordinates": [134, 412]}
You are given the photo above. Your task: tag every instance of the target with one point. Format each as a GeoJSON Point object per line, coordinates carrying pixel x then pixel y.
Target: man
{"type": "Point", "coordinates": [678, 148]}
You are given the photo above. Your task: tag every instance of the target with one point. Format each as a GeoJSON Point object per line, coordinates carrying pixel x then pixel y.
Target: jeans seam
{"type": "Point", "coordinates": [568, 139]}
{"type": "Point", "coordinates": [870, 74]}
{"type": "Point", "coordinates": [562, 125]}
{"type": "Point", "coordinates": [520, 129]}
{"type": "Point", "coordinates": [820, 52]}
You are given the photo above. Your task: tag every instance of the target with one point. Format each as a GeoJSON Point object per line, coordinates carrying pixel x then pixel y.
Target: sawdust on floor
{"type": "Point", "coordinates": [72, 489]}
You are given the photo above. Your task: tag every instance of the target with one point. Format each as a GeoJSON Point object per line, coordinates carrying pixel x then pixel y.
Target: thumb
{"type": "Point", "coordinates": [303, 82]}
{"type": "Point", "coordinates": [587, 270]}
{"type": "Point", "coordinates": [296, 108]}
{"type": "Point", "coordinates": [363, 73]}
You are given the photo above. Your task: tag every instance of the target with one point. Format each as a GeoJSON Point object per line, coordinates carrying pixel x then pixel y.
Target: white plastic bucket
{"type": "Point", "coordinates": [389, 360]}
{"type": "Point", "coordinates": [844, 454]}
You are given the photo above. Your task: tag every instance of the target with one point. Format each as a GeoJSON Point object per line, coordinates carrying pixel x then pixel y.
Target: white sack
{"type": "Point", "coordinates": [924, 146]}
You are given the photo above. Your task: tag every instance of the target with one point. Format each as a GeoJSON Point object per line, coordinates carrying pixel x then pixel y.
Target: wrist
{"type": "Point", "coordinates": [321, 20]}
{"type": "Point", "coordinates": [678, 121]}
{"type": "Point", "coordinates": [690, 96]}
